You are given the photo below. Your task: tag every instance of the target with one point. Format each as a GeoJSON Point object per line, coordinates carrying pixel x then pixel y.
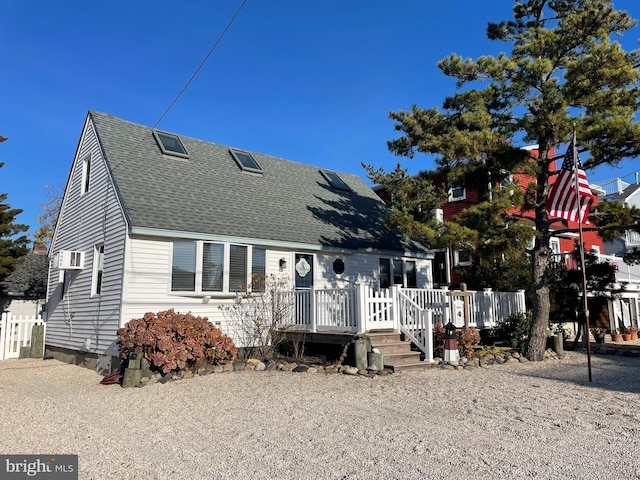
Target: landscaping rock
{"type": "Point", "coordinates": [271, 365]}
{"type": "Point", "coordinates": [312, 370]}
{"type": "Point", "coordinates": [331, 369]}
{"type": "Point", "coordinates": [260, 367]}
{"type": "Point", "coordinates": [301, 369]}
{"type": "Point", "coordinates": [249, 367]}
{"type": "Point", "coordinates": [218, 369]}
{"type": "Point", "coordinates": [239, 366]}
{"type": "Point", "coordinates": [348, 370]}
{"type": "Point", "coordinates": [288, 367]}
{"type": "Point", "coordinates": [228, 367]}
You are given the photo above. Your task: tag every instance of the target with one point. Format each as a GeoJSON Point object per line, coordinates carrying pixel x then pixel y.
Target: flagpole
{"type": "Point", "coordinates": [585, 304]}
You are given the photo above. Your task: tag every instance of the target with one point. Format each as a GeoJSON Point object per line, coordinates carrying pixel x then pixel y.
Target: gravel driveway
{"type": "Point", "coordinates": [539, 420]}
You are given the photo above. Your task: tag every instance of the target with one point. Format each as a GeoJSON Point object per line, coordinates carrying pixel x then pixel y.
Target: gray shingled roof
{"type": "Point", "coordinates": [209, 194]}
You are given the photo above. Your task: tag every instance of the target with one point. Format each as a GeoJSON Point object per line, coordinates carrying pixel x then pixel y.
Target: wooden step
{"type": "Point", "coordinates": [401, 358]}
{"type": "Point", "coordinates": [410, 366]}
{"type": "Point", "coordinates": [378, 338]}
{"type": "Point", "coordinates": [395, 347]}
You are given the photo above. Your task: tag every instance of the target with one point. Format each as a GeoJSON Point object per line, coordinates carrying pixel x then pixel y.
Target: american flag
{"type": "Point", "coordinates": [563, 201]}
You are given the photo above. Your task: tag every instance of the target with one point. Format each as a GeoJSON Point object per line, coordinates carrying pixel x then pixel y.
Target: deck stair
{"type": "Point", "coordinates": [396, 352]}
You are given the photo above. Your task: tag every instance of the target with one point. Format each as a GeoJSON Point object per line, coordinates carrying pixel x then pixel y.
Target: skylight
{"type": "Point", "coordinates": [246, 161]}
{"type": "Point", "coordinates": [335, 181]}
{"type": "Point", "coordinates": [170, 144]}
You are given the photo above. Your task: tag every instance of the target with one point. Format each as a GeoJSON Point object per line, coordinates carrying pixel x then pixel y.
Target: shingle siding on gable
{"type": "Point", "coordinates": [80, 227]}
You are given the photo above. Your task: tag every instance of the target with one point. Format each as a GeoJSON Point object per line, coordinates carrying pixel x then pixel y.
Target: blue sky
{"type": "Point", "coordinates": [310, 81]}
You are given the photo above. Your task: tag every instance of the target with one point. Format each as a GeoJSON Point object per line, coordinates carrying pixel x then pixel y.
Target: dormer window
{"type": "Point", "coordinates": [335, 181]}
{"type": "Point", "coordinates": [245, 161]}
{"type": "Point", "coordinates": [170, 144]}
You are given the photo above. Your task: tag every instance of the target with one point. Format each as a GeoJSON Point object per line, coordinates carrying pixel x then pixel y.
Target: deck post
{"type": "Point", "coordinates": [361, 308]}
{"type": "Point", "coordinates": [4, 323]}
{"type": "Point", "coordinates": [487, 307]}
{"type": "Point", "coordinates": [312, 310]}
{"type": "Point", "coordinates": [521, 301]}
{"type": "Point", "coordinates": [428, 323]}
{"type": "Point", "coordinates": [445, 305]}
{"type": "Point", "coordinates": [395, 307]}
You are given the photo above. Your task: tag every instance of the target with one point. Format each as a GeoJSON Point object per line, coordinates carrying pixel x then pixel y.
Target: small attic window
{"type": "Point", "coordinates": [335, 181]}
{"type": "Point", "coordinates": [246, 161]}
{"type": "Point", "coordinates": [170, 144]}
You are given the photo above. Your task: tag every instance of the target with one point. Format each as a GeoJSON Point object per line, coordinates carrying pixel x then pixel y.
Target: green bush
{"type": "Point", "coordinates": [514, 330]}
{"type": "Point", "coordinates": [174, 341]}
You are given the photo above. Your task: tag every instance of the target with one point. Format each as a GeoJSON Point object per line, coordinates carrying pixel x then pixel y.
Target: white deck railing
{"type": "Point", "coordinates": [15, 332]}
{"type": "Point", "coordinates": [624, 272]}
{"type": "Point", "coordinates": [361, 309]}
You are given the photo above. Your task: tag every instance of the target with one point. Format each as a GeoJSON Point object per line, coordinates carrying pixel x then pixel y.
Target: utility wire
{"type": "Point", "coordinates": [186, 85]}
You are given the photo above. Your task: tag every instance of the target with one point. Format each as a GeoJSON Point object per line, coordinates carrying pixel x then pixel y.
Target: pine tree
{"type": "Point", "coordinates": [13, 240]}
{"type": "Point", "coordinates": [564, 69]}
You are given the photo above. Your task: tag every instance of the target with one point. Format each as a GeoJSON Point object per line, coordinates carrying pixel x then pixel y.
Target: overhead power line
{"type": "Point", "coordinates": [186, 85]}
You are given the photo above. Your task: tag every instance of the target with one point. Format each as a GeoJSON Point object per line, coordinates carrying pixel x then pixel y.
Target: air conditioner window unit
{"type": "Point", "coordinates": [70, 260]}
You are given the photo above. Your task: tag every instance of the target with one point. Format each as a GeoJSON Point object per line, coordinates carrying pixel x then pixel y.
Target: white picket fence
{"type": "Point", "coordinates": [15, 332]}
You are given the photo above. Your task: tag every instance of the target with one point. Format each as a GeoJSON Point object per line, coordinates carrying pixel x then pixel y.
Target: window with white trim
{"type": "Point", "coordinates": [86, 175]}
{"type": "Point", "coordinates": [98, 269]}
{"type": "Point", "coordinates": [462, 257]}
{"type": "Point", "coordinates": [457, 191]}
{"type": "Point", "coordinates": [209, 267]}
{"type": "Point", "coordinates": [395, 271]}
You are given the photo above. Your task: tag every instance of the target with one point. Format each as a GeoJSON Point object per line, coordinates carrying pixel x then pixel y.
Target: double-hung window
{"type": "Point", "coordinates": [209, 267]}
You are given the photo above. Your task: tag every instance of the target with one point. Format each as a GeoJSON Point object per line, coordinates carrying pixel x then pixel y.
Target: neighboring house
{"type": "Point", "coordinates": [625, 309]}
{"type": "Point", "coordinates": [26, 286]}
{"type": "Point", "coordinates": [447, 262]}
{"type": "Point", "coordinates": [152, 220]}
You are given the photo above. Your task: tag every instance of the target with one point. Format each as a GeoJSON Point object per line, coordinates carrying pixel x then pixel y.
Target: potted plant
{"type": "Point", "coordinates": [598, 334]}
{"type": "Point", "coordinates": [634, 333]}
{"type": "Point", "coordinates": [616, 336]}
{"type": "Point", "coordinates": [626, 334]}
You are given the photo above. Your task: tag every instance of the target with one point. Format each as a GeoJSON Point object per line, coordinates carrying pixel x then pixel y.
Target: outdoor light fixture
{"type": "Point", "coordinates": [283, 263]}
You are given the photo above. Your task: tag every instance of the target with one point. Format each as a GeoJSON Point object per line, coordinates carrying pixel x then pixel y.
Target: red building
{"type": "Point", "coordinates": [446, 262]}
